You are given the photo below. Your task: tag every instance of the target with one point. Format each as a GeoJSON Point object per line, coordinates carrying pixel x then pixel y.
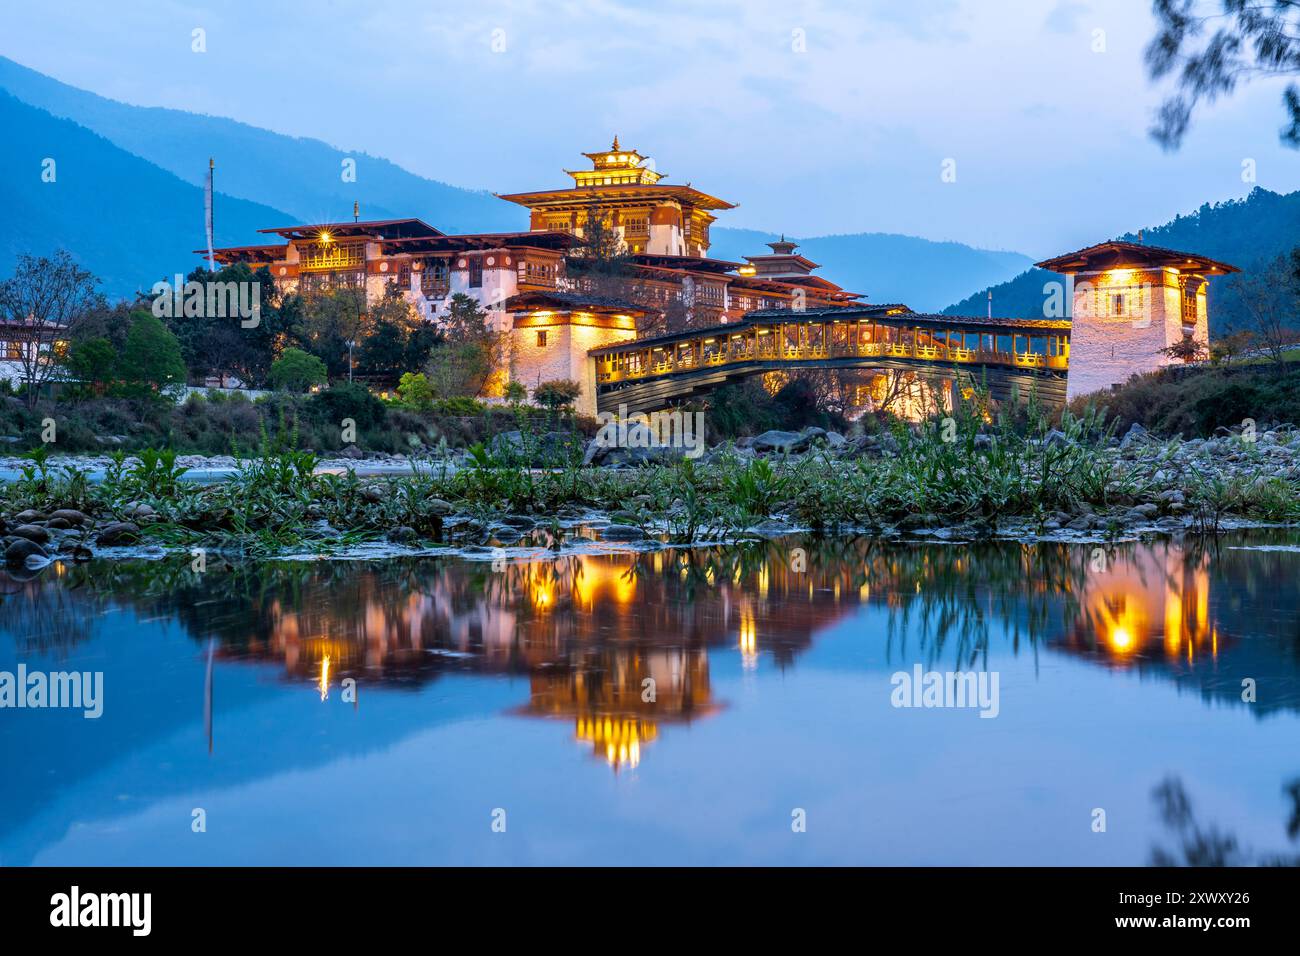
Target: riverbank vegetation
{"type": "Point", "coordinates": [1195, 402]}
{"type": "Point", "coordinates": [966, 476]}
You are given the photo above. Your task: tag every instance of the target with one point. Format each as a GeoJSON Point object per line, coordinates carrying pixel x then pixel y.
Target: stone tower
{"type": "Point", "coordinates": [1129, 301]}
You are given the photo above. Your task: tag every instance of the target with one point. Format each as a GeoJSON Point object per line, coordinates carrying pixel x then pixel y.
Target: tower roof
{"type": "Point", "coordinates": [380, 228]}
{"type": "Point", "coordinates": [622, 166]}
{"type": "Point", "coordinates": [1117, 254]}
{"type": "Point", "coordinates": [617, 175]}
{"type": "Point", "coordinates": [783, 260]}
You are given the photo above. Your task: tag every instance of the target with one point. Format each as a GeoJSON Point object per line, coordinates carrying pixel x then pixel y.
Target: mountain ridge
{"type": "Point", "coordinates": [302, 177]}
{"type": "Point", "coordinates": [1246, 233]}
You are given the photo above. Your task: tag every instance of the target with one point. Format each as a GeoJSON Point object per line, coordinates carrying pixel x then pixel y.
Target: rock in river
{"type": "Point", "coordinates": [118, 533]}
{"type": "Point", "coordinates": [20, 549]}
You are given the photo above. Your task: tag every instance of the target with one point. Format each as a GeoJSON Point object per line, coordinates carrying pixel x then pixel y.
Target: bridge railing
{"type": "Point", "coordinates": [768, 347]}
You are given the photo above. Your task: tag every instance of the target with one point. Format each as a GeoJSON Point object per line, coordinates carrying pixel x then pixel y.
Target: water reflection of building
{"type": "Point", "coordinates": [617, 698]}
{"type": "Point", "coordinates": [588, 630]}
{"type": "Point", "coordinates": [1147, 605]}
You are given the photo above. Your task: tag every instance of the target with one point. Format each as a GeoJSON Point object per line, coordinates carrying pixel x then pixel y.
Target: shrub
{"type": "Point", "coordinates": [459, 406]}
{"type": "Point", "coordinates": [1194, 402]}
{"type": "Point", "coordinates": [297, 371]}
{"type": "Point", "coordinates": [415, 390]}
{"type": "Point", "coordinates": [151, 359]}
{"type": "Point", "coordinates": [347, 400]}
{"type": "Point", "coordinates": [558, 394]}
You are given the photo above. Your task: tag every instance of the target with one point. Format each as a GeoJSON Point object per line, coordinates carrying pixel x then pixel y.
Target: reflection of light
{"type": "Point", "coordinates": [748, 639]}
{"type": "Point", "coordinates": [324, 677]}
{"type": "Point", "coordinates": [618, 740]}
{"type": "Point", "coordinates": [1173, 622]}
{"type": "Point", "coordinates": [596, 579]}
{"type": "Point", "coordinates": [1121, 639]}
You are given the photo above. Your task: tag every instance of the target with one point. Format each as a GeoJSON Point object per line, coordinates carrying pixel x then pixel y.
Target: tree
{"type": "Point", "coordinates": [45, 298]}
{"type": "Point", "coordinates": [1269, 295]}
{"type": "Point", "coordinates": [470, 351]}
{"type": "Point", "coordinates": [419, 344]}
{"type": "Point", "coordinates": [382, 354]}
{"type": "Point", "coordinates": [215, 335]}
{"type": "Point", "coordinates": [91, 362]}
{"type": "Point", "coordinates": [602, 246]}
{"type": "Point", "coordinates": [1186, 349]}
{"type": "Point", "coordinates": [395, 338]}
{"type": "Point", "coordinates": [603, 266]}
{"type": "Point", "coordinates": [330, 325]}
{"type": "Point", "coordinates": [151, 360]}
{"type": "Point", "coordinates": [106, 322]}
{"type": "Point", "coordinates": [347, 400]}
{"type": "Point", "coordinates": [415, 390]}
{"type": "Point", "coordinates": [1227, 347]}
{"type": "Point", "coordinates": [1251, 39]}
{"type": "Point", "coordinates": [297, 371]}
{"type": "Point", "coordinates": [515, 392]}
{"type": "Point", "coordinates": [560, 393]}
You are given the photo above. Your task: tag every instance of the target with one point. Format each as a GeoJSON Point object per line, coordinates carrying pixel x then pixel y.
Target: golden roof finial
{"type": "Point", "coordinates": [615, 142]}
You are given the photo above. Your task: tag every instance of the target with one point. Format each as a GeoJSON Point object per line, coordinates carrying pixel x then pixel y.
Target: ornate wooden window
{"type": "Point", "coordinates": [331, 255]}
{"type": "Point", "coordinates": [1189, 303]}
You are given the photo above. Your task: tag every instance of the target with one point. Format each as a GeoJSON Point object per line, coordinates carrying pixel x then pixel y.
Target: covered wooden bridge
{"type": "Point", "coordinates": [1002, 354]}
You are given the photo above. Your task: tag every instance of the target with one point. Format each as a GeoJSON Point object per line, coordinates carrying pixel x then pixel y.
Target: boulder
{"type": "Point", "coordinates": [31, 532]}
{"type": "Point", "coordinates": [507, 443]}
{"type": "Point", "coordinates": [118, 533]}
{"type": "Point", "coordinates": [519, 522]}
{"type": "Point", "coordinates": [505, 534]}
{"type": "Point", "coordinates": [622, 532]}
{"type": "Point", "coordinates": [71, 515]}
{"type": "Point", "coordinates": [549, 450]}
{"type": "Point", "coordinates": [634, 444]}
{"type": "Point", "coordinates": [779, 442]}
{"type": "Point", "coordinates": [20, 549]}
{"type": "Point", "coordinates": [1136, 433]}
{"type": "Point", "coordinates": [402, 534]}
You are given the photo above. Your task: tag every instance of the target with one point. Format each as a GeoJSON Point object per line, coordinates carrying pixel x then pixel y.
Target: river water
{"type": "Point", "coordinates": [708, 706]}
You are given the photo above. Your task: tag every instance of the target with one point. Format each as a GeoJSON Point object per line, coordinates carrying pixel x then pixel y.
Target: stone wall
{"type": "Point", "coordinates": [1107, 349]}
